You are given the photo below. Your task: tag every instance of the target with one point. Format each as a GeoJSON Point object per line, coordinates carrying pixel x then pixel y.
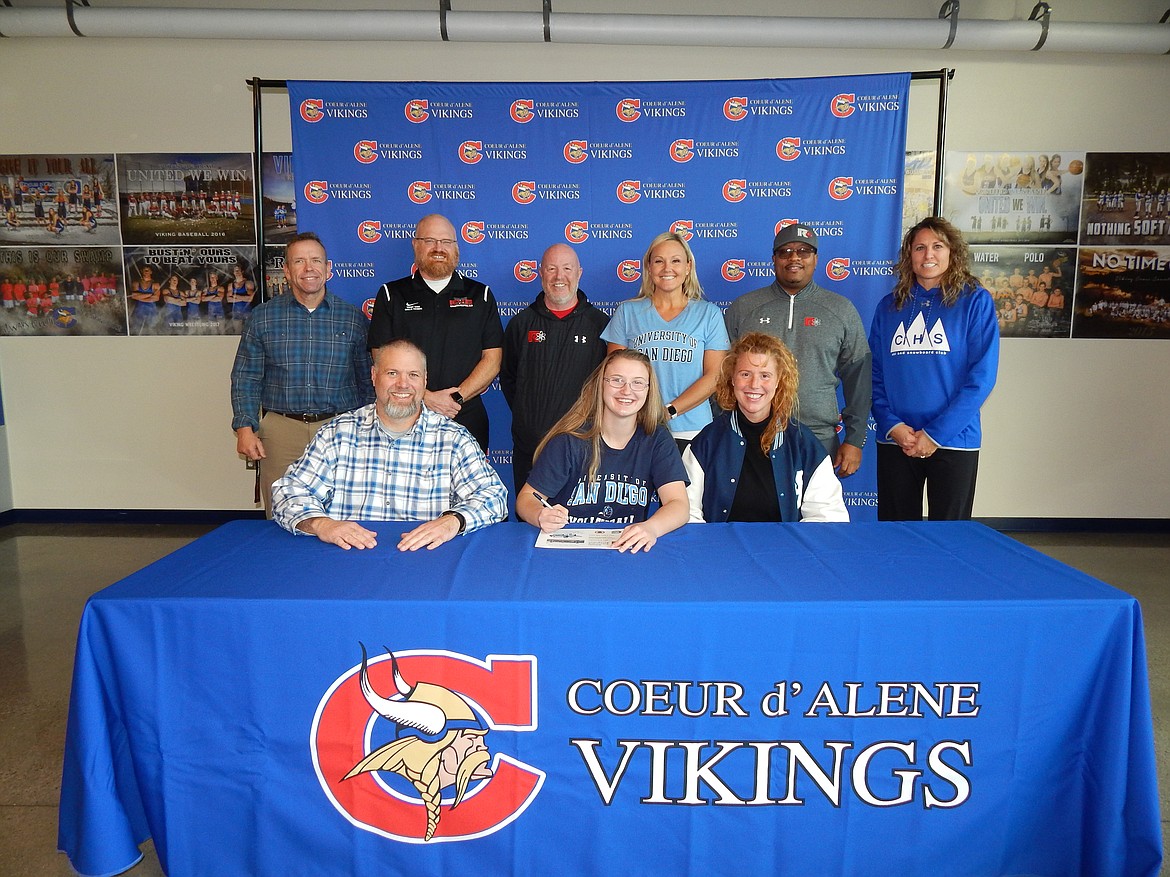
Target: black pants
{"type": "Point", "coordinates": [473, 415]}
{"type": "Point", "coordinates": [521, 466]}
{"type": "Point", "coordinates": [949, 478]}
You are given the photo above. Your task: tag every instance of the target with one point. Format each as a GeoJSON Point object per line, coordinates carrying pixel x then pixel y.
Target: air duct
{"type": "Point", "coordinates": [948, 31]}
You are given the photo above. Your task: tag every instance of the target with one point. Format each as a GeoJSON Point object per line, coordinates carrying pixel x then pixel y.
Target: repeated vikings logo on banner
{"type": "Point", "coordinates": [317, 191]}
{"type": "Point", "coordinates": [403, 745]}
{"type": "Point", "coordinates": [366, 151]}
{"type": "Point", "coordinates": [606, 167]}
{"type": "Point", "coordinates": [311, 110]}
{"type": "Point", "coordinates": [843, 105]}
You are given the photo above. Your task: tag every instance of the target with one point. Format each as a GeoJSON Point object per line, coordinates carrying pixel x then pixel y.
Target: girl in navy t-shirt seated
{"type": "Point", "coordinates": [604, 460]}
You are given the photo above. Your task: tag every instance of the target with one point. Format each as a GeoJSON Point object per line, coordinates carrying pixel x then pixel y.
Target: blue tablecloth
{"type": "Point", "coordinates": [831, 699]}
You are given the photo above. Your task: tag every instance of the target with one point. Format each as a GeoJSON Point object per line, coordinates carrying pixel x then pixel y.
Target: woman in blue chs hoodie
{"type": "Point", "coordinates": [935, 343]}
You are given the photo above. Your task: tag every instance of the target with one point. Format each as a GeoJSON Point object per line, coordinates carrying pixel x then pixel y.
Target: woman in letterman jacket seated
{"type": "Point", "coordinates": [755, 462]}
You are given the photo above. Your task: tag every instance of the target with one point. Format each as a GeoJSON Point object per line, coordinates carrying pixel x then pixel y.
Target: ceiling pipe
{"type": "Point", "coordinates": [220, 24]}
{"type": "Point", "coordinates": [1040, 33]}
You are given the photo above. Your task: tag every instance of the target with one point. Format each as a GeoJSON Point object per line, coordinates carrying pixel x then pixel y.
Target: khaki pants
{"type": "Point", "coordinates": [284, 441]}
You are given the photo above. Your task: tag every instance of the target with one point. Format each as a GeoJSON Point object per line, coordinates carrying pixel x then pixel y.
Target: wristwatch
{"type": "Point", "coordinates": [458, 397]}
{"type": "Point", "coordinates": [672, 411]}
{"type": "Point", "coordinates": [459, 517]}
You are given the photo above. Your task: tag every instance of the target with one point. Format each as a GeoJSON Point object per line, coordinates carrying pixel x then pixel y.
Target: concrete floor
{"type": "Point", "coordinates": [47, 572]}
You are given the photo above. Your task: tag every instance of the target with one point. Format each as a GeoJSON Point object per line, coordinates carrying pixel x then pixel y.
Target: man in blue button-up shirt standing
{"type": "Point", "coordinates": [302, 359]}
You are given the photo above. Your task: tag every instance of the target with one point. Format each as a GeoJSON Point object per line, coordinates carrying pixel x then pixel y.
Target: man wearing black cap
{"type": "Point", "coordinates": [824, 332]}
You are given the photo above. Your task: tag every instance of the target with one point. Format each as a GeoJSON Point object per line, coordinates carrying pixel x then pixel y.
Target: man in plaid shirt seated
{"type": "Point", "coordinates": [395, 460]}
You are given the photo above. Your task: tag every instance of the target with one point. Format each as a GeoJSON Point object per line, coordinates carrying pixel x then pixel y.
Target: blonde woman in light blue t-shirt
{"type": "Point", "coordinates": [682, 333]}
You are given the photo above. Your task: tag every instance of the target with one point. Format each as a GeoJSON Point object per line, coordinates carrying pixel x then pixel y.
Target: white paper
{"type": "Point", "coordinates": [578, 537]}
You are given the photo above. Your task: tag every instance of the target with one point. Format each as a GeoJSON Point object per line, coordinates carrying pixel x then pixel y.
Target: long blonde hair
{"type": "Point", "coordinates": [692, 289]}
{"type": "Point", "coordinates": [787, 380]}
{"type": "Point", "coordinates": [583, 420]}
{"type": "Point", "coordinates": [958, 276]}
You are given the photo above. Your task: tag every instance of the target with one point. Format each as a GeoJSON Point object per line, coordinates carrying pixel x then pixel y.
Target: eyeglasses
{"type": "Point", "coordinates": [799, 252]}
{"type": "Point", "coordinates": [638, 385]}
{"type": "Point", "coordinates": [430, 242]}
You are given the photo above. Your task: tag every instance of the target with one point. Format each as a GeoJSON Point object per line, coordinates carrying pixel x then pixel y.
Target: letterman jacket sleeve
{"type": "Point", "coordinates": [822, 499]}
{"type": "Point", "coordinates": [696, 475]}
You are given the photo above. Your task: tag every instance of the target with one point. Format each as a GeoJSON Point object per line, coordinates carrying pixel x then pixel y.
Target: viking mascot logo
{"type": "Point", "coordinates": [419, 767]}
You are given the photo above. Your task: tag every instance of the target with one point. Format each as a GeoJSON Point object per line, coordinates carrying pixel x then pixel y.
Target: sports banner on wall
{"type": "Point", "coordinates": [59, 200]}
{"type": "Point", "coordinates": [171, 198]}
{"type": "Point", "coordinates": [1126, 199]}
{"type": "Point", "coordinates": [1122, 293]}
{"type": "Point", "coordinates": [275, 283]}
{"type": "Point", "coordinates": [205, 290]}
{"type": "Point", "coordinates": [279, 207]}
{"type": "Point", "coordinates": [918, 188]}
{"type": "Point", "coordinates": [1032, 288]}
{"type": "Point", "coordinates": [1017, 198]}
{"type": "Point", "coordinates": [605, 167]}
{"type": "Point", "coordinates": [61, 291]}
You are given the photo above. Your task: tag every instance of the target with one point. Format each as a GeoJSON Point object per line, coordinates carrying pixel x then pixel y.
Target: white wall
{"type": "Point", "coordinates": [5, 475]}
{"type": "Point", "coordinates": [143, 423]}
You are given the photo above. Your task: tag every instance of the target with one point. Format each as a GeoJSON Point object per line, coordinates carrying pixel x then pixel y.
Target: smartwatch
{"type": "Point", "coordinates": [458, 397]}
{"type": "Point", "coordinates": [672, 411]}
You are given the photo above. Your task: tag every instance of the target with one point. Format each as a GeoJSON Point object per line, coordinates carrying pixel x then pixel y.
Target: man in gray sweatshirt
{"type": "Point", "coordinates": [824, 332]}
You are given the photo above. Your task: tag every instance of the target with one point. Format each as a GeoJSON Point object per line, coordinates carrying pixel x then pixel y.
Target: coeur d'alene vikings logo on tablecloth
{"type": "Point", "coordinates": [402, 744]}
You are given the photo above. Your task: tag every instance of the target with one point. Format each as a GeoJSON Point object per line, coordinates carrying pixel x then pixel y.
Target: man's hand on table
{"type": "Point", "coordinates": [346, 534]}
{"type": "Point", "coordinates": [430, 535]}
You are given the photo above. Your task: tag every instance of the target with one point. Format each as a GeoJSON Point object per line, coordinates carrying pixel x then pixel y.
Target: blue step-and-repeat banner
{"type": "Point", "coordinates": [605, 167]}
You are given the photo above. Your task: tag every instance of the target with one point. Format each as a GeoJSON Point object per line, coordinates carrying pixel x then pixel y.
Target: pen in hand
{"type": "Point", "coordinates": [558, 519]}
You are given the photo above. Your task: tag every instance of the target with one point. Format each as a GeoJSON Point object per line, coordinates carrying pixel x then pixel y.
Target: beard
{"type": "Point", "coordinates": [560, 300]}
{"type": "Point", "coordinates": [437, 269]}
{"type": "Point", "coordinates": [401, 412]}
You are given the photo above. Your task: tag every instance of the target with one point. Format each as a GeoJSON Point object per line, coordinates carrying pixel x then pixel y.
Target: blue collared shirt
{"type": "Point", "coordinates": [291, 359]}
{"type": "Point", "coordinates": [355, 470]}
